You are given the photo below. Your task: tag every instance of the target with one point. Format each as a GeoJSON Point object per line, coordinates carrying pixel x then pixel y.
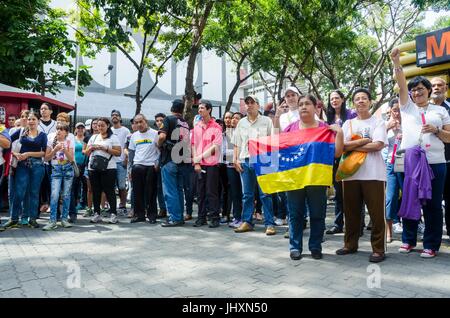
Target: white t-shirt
{"type": "Point", "coordinates": [288, 118]}
{"type": "Point", "coordinates": [392, 140]}
{"type": "Point", "coordinates": [109, 142]}
{"type": "Point", "coordinates": [412, 126]}
{"type": "Point", "coordinates": [60, 157]}
{"type": "Point", "coordinates": [373, 167]}
{"type": "Point", "coordinates": [121, 134]}
{"type": "Point", "coordinates": [145, 147]}
{"type": "Point", "coordinates": [70, 143]}
{"type": "Point", "coordinates": [47, 129]}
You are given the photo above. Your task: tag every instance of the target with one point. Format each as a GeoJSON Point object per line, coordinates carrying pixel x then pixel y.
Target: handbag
{"type": "Point", "coordinates": [16, 148]}
{"type": "Point", "coordinates": [76, 170]}
{"type": "Point", "coordinates": [350, 161]}
{"type": "Point", "coordinates": [99, 163]}
{"type": "Point", "coordinates": [399, 163]}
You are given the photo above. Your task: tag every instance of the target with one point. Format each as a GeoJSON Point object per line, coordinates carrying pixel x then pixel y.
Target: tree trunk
{"type": "Point", "coordinates": [41, 80]}
{"type": "Point", "coordinates": [138, 91]}
{"type": "Point", "coordinates": [189, 89]}
{"type": "Point", "coordinates": [200, 23]}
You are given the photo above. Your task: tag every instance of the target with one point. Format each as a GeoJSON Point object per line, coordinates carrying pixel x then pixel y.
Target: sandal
{"type": "Point", "coordinates": [377, 257]}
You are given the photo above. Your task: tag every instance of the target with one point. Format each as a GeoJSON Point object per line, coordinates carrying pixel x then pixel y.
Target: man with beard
{"type": "Point", "coordinates": [122, 134]}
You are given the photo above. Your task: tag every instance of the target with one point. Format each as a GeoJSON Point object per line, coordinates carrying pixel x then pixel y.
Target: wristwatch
{"type": "Point", "coordinates": [437, 131]}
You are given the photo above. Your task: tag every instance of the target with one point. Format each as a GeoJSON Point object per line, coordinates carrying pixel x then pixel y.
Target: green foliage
{"type": "Point", "coordinates": [33, 35]}
{"type": "Point", "coordinates": [434, 4]}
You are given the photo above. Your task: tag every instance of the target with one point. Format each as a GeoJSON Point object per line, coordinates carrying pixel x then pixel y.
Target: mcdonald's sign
{"type": "Point", "coordinates": [433, 48]}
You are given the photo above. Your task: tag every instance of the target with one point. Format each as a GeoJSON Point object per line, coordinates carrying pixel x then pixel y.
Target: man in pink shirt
{"type": "Point", "coordinates": [206, 142]}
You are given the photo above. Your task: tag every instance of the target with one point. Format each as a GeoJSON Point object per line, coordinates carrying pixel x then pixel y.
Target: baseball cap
{"type": "Point", "coordinates": [88, 123]}
{"type": "Point", "coordinates": [292, 89]}
{"type": "Point", "coordinates": [80, 124]}
{"type": "Point", "coordinates": [253, 97]}
{"type": "Point", "coordinates": [114, 111]}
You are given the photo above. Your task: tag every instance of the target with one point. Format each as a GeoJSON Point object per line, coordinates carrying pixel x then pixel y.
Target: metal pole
{"type": "Point", "coordinates": [76, 86]}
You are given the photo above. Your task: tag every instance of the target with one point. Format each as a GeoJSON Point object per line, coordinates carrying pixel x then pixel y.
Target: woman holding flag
{"type": "Point", "coordinates": [319, 145]}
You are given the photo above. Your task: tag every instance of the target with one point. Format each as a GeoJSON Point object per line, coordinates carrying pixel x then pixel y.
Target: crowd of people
{"type": "Point", "coordinates": [400, 179]}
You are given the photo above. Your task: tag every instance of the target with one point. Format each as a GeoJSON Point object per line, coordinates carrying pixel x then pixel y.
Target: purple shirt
{"type": "Point", "coordinates": [417, 184]}
{"type": "Point", "coordinates": [350, 115]}
{"type": "Point", "coordinates": [296, 127]}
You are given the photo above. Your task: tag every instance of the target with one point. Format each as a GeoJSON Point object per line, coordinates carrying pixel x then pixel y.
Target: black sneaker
{"type": "Point", "coordinates": [11, 224]}
{"type": "Point", "coordinates": [152, 221]}
{"type": "Point", "coordinates": [316, 254]}
{"type": "Point", "coordinates": [200, 222]}
{"type": "Point", "coordinates": [33, 224]}
{"type": "Point", "coordinates": [172, 223]}
{"type": "Point", "coordinates": [334, 230]}
{"type": "Point", "coordinates": [214, 223]}
{"type": "Point", "coordinates": [295, 255]}
{"type": "Point", "coordinates": [137, 220]}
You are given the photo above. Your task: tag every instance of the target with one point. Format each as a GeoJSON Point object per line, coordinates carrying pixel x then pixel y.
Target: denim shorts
{"type": "Point", "coordinates": [121, 176]}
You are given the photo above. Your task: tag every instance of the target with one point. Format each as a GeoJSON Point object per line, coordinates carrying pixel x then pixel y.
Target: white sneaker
{"type": "Point", "coordinates": [421, 228]}
{"type": "Point", "coordinates": [278, 222]}
{"type": "Point", "coordinates": [113, 219]}
{"type": "Point", "coordinates": [65, 224]}
{"type": "Point", "coordinates": [96, 218]}
{"type": "Point", "coordinates": [397, 228]}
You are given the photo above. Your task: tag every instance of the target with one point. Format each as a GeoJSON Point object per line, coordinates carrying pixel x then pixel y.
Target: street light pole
{"type": "Point", "coordinates": [76, 85]}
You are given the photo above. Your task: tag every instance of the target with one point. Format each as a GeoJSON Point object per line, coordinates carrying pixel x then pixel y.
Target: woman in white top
{"type": "Point", "coordinates": [103, 145]}
{"type": "Point", "coordinates": [427, 125]}
{"type": "Point", "coordinates": [368, 182]}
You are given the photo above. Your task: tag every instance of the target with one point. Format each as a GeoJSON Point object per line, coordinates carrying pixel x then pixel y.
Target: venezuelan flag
{"type": "Point", "coordinates": [293, 160]}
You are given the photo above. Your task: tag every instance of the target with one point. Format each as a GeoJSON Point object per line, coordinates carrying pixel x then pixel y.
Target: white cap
{"type": "Point", "coordinates": [88, 123]}
{"type": "Point", "coordinates": [292, 89]}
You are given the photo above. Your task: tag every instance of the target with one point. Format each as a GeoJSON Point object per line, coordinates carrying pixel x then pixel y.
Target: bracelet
{"type": "Point", "coordinates": [398, 69]}
{"type": "Point", "coordinates": [437, 131]}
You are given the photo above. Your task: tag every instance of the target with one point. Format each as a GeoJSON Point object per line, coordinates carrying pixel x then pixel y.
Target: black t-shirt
{"type": "Point", "coordinates": [177, 140]}
{"type": "Point", "coordinates": [86, 139]}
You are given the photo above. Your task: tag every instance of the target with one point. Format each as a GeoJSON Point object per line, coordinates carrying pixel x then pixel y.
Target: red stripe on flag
{"type": "Point", "coordinates": [285, 140]}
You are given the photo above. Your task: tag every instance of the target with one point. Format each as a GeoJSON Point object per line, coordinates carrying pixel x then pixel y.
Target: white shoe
{"type": "Point", "coordinates": [278, 222]}
{"type": "Point", "coordinates": [113, 219]}
{"type": "Point", "coordinates": [96, 218]}
{"type": "Point", "coordinates": [397, 228]}
{"type": "Point", "coordinates": [65, 224]}
{"type": "Point", "coordinates": [421, 228]}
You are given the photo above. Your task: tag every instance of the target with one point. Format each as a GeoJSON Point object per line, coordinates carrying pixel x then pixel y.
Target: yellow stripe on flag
{"type": "Point", "coordinates": [314, 174]}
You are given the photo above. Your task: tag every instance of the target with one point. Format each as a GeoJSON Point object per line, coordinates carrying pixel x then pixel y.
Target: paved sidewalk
{"type": "Point", "coordinates": [143, 260]}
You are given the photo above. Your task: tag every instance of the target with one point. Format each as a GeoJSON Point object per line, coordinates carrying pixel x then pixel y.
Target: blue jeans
{"type": "Point", "coordinates": [316, 198]}
{"type": "Point", "coordinates": [432, 213]}
{"type": "Point", "coordinates": [248, 178]}
{"type": "Point", "coordinates": [394, 183]}
{"type": "Point", "coordinates": [280, 205]}
{"type": "Point", "coordinates": [62, 176]}
{"type": "Point", "coordinates": [338, 199]}
{"type": "Point", "coordinates": [172, 182]}
{"type": "Point", "coordinates": [161, 203]}
{"type": "Point", "coordinates": [28, 176]}
{"type": "Point", "coordinates": [187, 171]}
{"type": "Point", "coordinates": [236, 192]}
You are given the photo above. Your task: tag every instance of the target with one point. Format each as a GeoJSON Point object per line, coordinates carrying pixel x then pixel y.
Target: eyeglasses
{"type": "Point", "coordinates": [44, 108]}
{"type": "Point", "coordinates": [417, 90]}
